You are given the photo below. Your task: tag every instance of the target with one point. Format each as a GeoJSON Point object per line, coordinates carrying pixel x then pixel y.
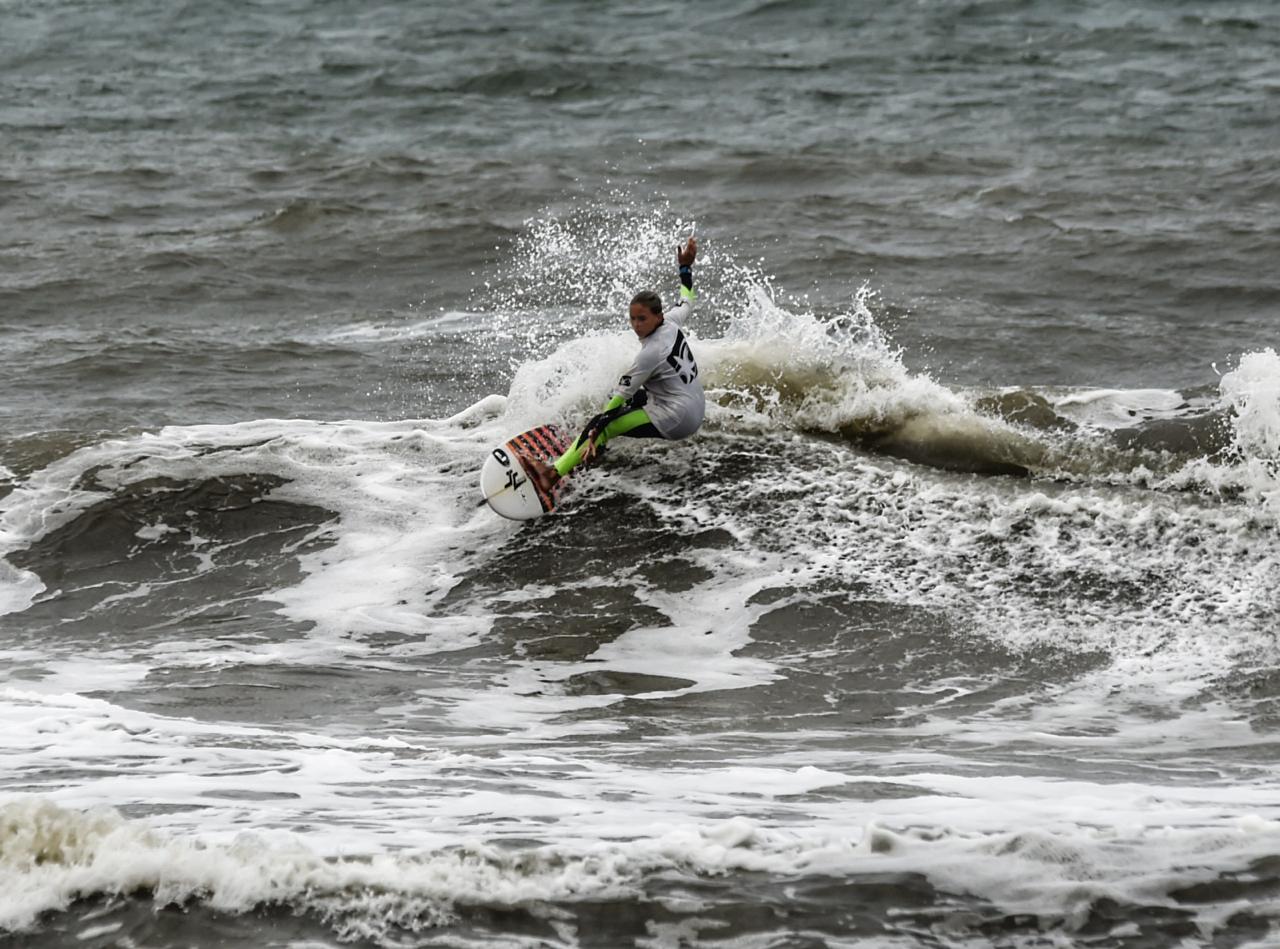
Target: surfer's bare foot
{"type": "Point", "coordinates": [543, 475]}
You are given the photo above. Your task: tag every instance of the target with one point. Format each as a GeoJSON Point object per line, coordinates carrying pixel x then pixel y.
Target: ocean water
{"type": "Point", "coordinates": [955, 626]}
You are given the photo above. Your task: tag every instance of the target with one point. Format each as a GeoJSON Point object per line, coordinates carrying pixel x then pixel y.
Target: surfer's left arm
{"type": "Point", "coordinates": [685, 257]}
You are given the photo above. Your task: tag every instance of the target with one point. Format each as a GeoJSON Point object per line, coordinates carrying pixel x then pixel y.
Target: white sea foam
{"type": "Point", "coordinates": [18, 588]}
{"type": "Point", "coordinates": [1120, 408]}
{"type": "Point", "coordinates": [1252, 390]}
{"type": "Point", "coordinates": [444, 322]}
{"type": "Point", "coordinates": [1250, 470]}
{"type": "Point", "coordinates": [594, 265]}
{"type": "Point", "coordinates": [393, 487]}
{"type": "Point", "coordinates": [778, 368]}
{"type": "Point", "coordinates": [1140, 849]}
{"type": "Point", "coordinates": [154, 531]}
{"type": "Point", "coordinates": [695, 650]}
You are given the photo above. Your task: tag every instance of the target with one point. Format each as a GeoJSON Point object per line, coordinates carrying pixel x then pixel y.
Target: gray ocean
{"type": "Point", "coordinates": [954, 626]}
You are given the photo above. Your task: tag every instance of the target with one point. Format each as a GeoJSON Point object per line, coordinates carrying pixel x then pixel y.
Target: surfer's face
{"type": "Point", "coordinates": [643, 320]}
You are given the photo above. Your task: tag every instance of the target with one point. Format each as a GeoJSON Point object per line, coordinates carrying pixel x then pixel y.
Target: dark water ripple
{"type": "Point", "coordinates": [968, 157]}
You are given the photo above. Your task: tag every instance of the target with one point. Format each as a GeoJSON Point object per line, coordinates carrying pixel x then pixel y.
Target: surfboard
{"type": "Point", "coordinates": [505, 483]}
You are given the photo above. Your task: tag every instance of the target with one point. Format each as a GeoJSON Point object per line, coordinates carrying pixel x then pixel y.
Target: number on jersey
{"type": "Point", "coordinates": [681, 359]}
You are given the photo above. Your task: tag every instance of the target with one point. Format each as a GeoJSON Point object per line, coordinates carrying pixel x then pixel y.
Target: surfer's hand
{"type": "Point", "coordinates": [686, 254]}
{"type": "Point", "coordinates": [589, 452]}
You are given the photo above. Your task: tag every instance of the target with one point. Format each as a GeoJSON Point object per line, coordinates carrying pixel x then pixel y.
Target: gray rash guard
{"type": "Point", "coordinates": [665, 368]}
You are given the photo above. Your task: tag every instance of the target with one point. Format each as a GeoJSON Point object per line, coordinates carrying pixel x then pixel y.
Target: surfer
{"type": "Point", "coordinates": [658, 397]}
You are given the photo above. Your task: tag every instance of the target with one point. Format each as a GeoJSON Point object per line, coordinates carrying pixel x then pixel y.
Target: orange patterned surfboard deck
{"type": "Point", "coordinates": [505, 483]}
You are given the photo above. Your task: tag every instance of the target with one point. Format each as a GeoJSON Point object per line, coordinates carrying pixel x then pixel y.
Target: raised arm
{"type": "Point", "coordinates": [685, 257]}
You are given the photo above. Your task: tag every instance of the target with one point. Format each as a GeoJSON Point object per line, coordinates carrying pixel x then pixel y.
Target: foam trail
{"type": "Point", "coordinates": [393, 488]}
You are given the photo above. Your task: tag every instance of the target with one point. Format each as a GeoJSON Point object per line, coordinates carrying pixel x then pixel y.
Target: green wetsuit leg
{"type": "Point", "coordinates": [619, 426]}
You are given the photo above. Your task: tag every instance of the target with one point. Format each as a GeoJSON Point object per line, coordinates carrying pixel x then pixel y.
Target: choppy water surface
{"type": "Point", "coordinates": [955, 626]}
